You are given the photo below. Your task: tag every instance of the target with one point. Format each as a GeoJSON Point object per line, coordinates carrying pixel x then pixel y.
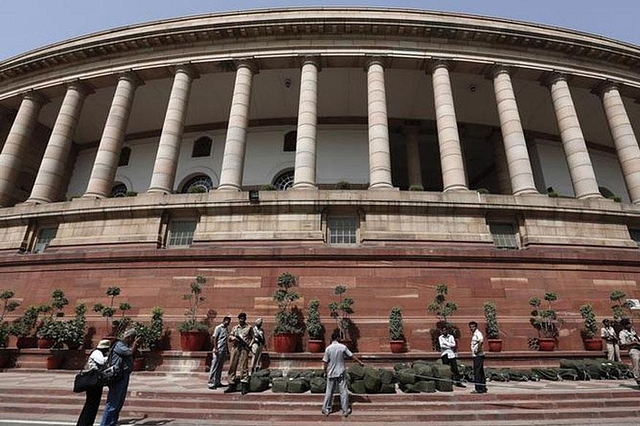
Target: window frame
{"type": "Point", "coordinates": [39, 244]}
{"type": "Point", "coordinates": [170, 233]}
{"type": "Point", "coordinates": [500, 239]}
{"type": "Point", "coordinates": [353, 234]}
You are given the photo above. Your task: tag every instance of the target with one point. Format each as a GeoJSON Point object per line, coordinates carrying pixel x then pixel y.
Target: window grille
{"type": "Point", "coordinates": [181, 233]}
{"type": "Point", "coordinates": [342, 230]}
{"type": "Point", "coordinates": [200, 183]}
{"type": "Point", "coordinates": [504, 236]}
{"type": "Point", "coordinates": [45, 235]}
{"type": "Point", "coordinates": [119, 190]}
{"type": "Point", "coordinates": [284, 180]}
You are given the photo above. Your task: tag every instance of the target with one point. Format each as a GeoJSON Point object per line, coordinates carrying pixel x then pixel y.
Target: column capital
{"type": "Point", "coordinates": [250, 63]}
{"type": "Point", "coordinates": [187, 69]}
{"type": "Point", "coordinates": [551, 78]}
{"type": "Point", "coordinates": [310, 59]}
{"type": "Point", "coordinates": [132, 77]}
{"type": "Point", "coordinates": [604, 86]}
{"type": "Point", "coordinates": [498, 69]}
{"type": "Point", "coordinates": [36, 97]}
{"type": "Point", "coordinates": [439, 63]}
{"type": "Point", "coordinates": [82, 87]}
{"type": "Point", "coordinates": [383, 61]}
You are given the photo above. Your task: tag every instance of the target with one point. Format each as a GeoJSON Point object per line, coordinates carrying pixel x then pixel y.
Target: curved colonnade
{"type": "Point", "coordinates": [486, 115]}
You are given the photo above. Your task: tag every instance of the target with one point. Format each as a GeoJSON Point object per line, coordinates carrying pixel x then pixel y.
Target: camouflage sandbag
{"type": "Point", "coordinates": [409, 388]}
{"type": "Point", "coordinates": [279, 385]}
{"type": "Point", "coordinates": [581, 368]}
{"type": "Point", "coordinates": [356, 372]}
{"type": "Point", "coordinates": [358, 387]}
{"type": "Point", "coordinates": [297, 385]}
{"type": "Point", "coordinates": [401, 366]}
{"type": "Point", "coordinates": [423, 369]}
{"type": "Point", "coordinates": [442, 377]}
{"type": "Point", "coordinates": [497, 375]}
{"type": "Point", "coordinates": [317, 385]}
{"type": "Point", "coordinates": [258, 383]}
{"type": "Point", "coordinates": [387, 388]}
{"type": "Point", "coordinates": [294, 374]}
{"type": "Point", "coordinates": [262, 373]}
{"type": "Point", "coordinates": [275, 373]}
{"type": "Point", "coordinates": [386, 376]}
{"type": "Point", "coordinates": [425, 386]}
{"type": "Point", "coordinates": [567, 374]}
{"type": "Point", "coordinates": [547, 373]}
{"type": "Point", "coordinates": [372, 381]}
{"type": "Point", "coordinates": [406, 377]}
{"type": "Point", "coordinates": [517, 375]}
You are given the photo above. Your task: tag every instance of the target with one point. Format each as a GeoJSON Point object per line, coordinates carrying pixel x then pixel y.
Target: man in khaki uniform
{"type": "Point", "coordinates": [240, 338]}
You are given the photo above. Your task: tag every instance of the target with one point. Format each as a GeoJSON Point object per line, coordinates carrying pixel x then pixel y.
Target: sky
{"type": "Point", "coordinates": [31, 24]}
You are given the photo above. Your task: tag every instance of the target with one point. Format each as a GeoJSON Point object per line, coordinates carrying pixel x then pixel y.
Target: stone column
{"type": "Point", "coordinates": [379, 150]}
{"type": "Point", "coordinates": [6, 119]}
{"type": "Point", "coordinates": [17, 141]}
{"type": "Point", "coordinates": [307, 132]}
{"type": "Point", "coordinates": [413, 155]}
{"type": "Point", "coordinates": [236, 143]}
{"type": "Point", "coordinates": [453, 172]}
{"type": "Point", "coordinates": [52, 169]}
{"type": "Point", "coordinates": [164, 168]}
{"type": "Point", "coordinates": [583, 177]}
{"type": "Point", "coordinates": [106, 162]}
{"type": "Point", "coordinates": [515, 145]}
{"type": "Point", "coordinates": [623, 137]}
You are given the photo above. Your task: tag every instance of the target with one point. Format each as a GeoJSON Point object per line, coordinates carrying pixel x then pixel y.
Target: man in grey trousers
{"type": "Point", "coordinates": [220, 352]}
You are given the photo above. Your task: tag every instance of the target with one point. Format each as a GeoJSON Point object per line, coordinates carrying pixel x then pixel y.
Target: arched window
{"type": "Point", "coordinates": [284, 180]}
{"type": "Point", "coordinates": [200, 183]}
{"type": "Point", "coordinates": [201, 147]}
{"type": "Point", "coordinates": [119, 190]}
{"type": "Point", "coordinates": [125, 154]}
{"type": "Point", "coordinates": [290, 141]}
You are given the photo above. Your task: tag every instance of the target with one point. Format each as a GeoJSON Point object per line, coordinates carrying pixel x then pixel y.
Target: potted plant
{"type": "Point", "coordinates": [150, 335]}
{"type": "Point", "coordinates": [397, 340]}
{"type": "Point", "coordinates": [341, 311]}
{"type": "Point", "coordinates": [315, 329]}
{"type": "Point", "coordinates": [75, 328]}
{"type": "Point", "coordinates": [194, 334]}
{"type": "Point", "coordinates": [589, 333]}
{"type": "Point", "coordinates": [545, 321]}
{"type": "Point", "coordinates": [288, 326]}
{"type": "Point", "coordinates": [24, 328]}
{"type": "Point", "coordinates": [442, 309]}
{"type": "Point", "coordinates": [113, 327]}
{"type": "Point", "coordinates": [50, 332]}
{"type": "Point", "coordinates": [492, 330]}
{"type": "Point", "coordinates": [8, 305]}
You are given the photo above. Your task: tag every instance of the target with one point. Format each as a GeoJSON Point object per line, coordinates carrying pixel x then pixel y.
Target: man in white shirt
{"type": "Point", "coordinates": [477, 339]}
{"type": "Point", "coordinates": [257, 345]}
{"type": "Point", "coordinates": [220, 353]}
{"type": "Point", "coordinates": [448, 349]}
{"type": "Point", "coordinates": [608, 335]}
{"type": "Point", "coordinates": [629, 340]}
{"type": "Point", "coordinates": [333, 361]}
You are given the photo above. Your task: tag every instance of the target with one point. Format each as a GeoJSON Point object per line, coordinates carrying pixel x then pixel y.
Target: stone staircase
{"type": "Point", "coordinates": [183, 400]}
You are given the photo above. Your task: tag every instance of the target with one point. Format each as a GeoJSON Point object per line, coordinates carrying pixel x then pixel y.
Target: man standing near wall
{"type": "Point", "coordinates": [448, 349]}
{"type": "Point", "coordinates": [608, 334]}
{"type": "Point", "coordinates": [257, 345]}
{"type": "Point", "coordinates": [629, 340]}
{"type": "Point", "coordinates": [477, 339]}
{"type": "Point", "coordinates": [336, 374]}
{"type": "Point", "coordinates": [240, 338]}
{"type": "Point", "coordinates": [220, 352]}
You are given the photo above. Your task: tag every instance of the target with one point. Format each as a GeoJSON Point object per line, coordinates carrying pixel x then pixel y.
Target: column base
{"type": "Point", "coordinates": [528, 192]}
{"type": "Point", "coordinates": [227, 187]}
{"type": "Point", "coordinates": [163, 191]}
{"type": "Point", "coordinates": [36, 201]}
{"type": "Point", "coordinates": [381, 186]}
{"type": "Point", "coordinates": [304, 185]}
{"type": "Point", "coordinates": [94, 195]}
{"type": "Point", "coordinates": [459, 188]}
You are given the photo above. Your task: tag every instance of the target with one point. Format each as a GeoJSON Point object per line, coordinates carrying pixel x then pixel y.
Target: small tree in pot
{"type": "Point", "coordinates": [492, 329]}
{"type": "Point", "coordinates": [315, 329]}
{"type": "Point", "coordinates": [341, 311]}
{"type": "Point", "coordinates": [113, 328]}
{"type": "Point", "coordinates": [442, 309]}
{"type": "Point", "coordinates": [288, 326]}
{"type": "Point", "coordinates": [194, 334]}
{"type": "Point", "coordinates": [545, 321]}
{"type": "Point", "coordinates": [8, 305]}
{"type": "Point", "coordinates": [397, 339]}
{"type": "Point", "coordinates": [589, 332]}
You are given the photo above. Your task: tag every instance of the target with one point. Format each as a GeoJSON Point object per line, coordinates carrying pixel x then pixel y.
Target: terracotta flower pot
{"type": "Point", "coordinates": [138, 363]}
{"type": "Point", "coordinates": [315, 346]}
{"type": "Point", "coordinates": [546, 344]}
{"type": "Point", "coordinates": [397, 346]}
{"type": "Point", "coordinates": [191, 341]}
{"type": "Point", "coordinates": [27, 342]}
{"type": "Point", "coordinates": [592, 344]}
{"type": "Point", "coordinates": [44, 343]}
{"type": "Point", "coordinates": [285, 343]}
{"type": "Point", "coordinates": [495, 345]}
{"type": "Point", "coordinates": [54, 362]}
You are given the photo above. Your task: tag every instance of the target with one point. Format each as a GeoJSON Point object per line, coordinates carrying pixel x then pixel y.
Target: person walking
{"type": "Point", "coordinates": [448, 349]}
{"type": "Point", "coordinates": [629, 340]}
{"type": "Point", "coordinates": [121, 354]}
{"type": "Point", "coordinates": [96, 361]}
{"type": "Point", "coordinates": [240, 337]}
{"type": "Point", "coordinates": [335, 372]}
{"type": "Point", "coordinates": [608, 335]}
{"type": "Point", "coordinates": [219, 353]}
{"type": "Point", "coordinates": [477, 339]}
{"type": "Point", "coordinates": [257, 346]}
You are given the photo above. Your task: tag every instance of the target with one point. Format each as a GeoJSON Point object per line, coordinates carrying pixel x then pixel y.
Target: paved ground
{"type": "Point", "coordinates": [195, 382]}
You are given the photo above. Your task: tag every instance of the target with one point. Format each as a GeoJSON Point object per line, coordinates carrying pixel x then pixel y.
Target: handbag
{"type": "Point", "coordinates": [113, 372]}
{"type": "Point", "coordinates": [85, 380]}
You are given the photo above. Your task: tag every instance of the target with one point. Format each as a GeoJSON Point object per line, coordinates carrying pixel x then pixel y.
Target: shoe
{"type": "Point", "coordinates": [346, 413]}
{"type": "Point", "coordinates": [477, 391]}
{"type": "Point", "coordinates": [244, 388]}
{"type": "Point", "coordinates": [231, 388]}
{"type": "Point", "coordinates": [460, 385]}
{"type": "Point", "coordinates": [211, 386]}
{"type": "Point", "coordinates": [326, 412]}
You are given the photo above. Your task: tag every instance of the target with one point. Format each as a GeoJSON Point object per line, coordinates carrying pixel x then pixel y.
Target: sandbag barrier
{"type": "Point", "coordinates": [429, 377]}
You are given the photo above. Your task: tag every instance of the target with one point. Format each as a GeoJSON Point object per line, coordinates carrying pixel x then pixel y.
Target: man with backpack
{"type": "Point", "coordinates": [121, 358]}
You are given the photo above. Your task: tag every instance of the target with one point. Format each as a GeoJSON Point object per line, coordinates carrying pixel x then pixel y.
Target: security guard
{"type": "Point", "coordinates": [240, 338]}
